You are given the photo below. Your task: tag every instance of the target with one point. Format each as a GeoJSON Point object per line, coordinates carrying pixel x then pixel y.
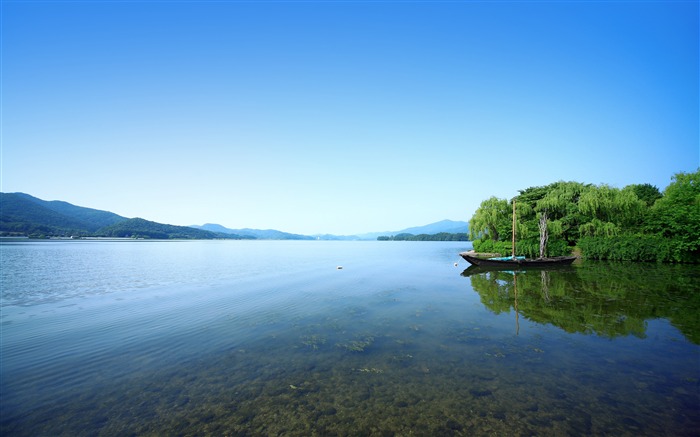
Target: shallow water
{"type": "Point", "coordinates": [270, 338]}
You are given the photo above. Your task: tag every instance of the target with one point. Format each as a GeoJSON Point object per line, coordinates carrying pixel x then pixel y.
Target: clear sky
{"type": "Point", "coordinates": [341, 117]}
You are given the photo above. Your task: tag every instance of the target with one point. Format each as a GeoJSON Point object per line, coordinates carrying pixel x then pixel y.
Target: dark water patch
{"type": "Point", "coordinates": [480, 392]}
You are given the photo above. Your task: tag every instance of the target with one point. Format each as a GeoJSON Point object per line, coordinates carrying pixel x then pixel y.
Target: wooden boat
{"type": "Point", "coordinates": [518, 262]}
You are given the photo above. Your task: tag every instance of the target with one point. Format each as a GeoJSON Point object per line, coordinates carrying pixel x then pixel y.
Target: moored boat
{"type": "Point", "coordinates": [518, 262]}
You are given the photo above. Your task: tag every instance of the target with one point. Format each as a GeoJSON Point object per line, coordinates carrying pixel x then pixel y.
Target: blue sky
{"type": "Point", "coordinates": [341, 117]}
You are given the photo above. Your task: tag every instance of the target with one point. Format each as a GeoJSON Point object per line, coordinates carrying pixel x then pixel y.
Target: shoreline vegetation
{"type": "Point", "coordinates": [635, 223]}
{"type": "Point", "coordinates": [440, 236]}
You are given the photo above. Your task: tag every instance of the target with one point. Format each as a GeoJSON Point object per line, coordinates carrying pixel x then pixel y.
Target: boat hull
{"type": "Point", "coordinates": [519, 263]}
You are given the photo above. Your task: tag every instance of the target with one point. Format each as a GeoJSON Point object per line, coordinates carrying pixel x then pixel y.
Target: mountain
{"type": "Point", "coordinates": [140, 228]}
{"type": "Point", "coordinates": [260, 234]}
{"type": "Point", "coordinates": [22, 214]}
{"type": "Point", "coordinates": [448, 226]}
{"type": "Point", "coordinates": [93, 218]}
{"type": "Point", "coordinates": [331, 237]}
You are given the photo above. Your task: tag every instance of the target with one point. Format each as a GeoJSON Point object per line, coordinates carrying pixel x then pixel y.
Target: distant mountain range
{"type": "Point", "coordinates": [267, 234]}
{"type": "Point", "coordinates": [448, 226]}
{"type": "Point", "coordinates": [25, 215]}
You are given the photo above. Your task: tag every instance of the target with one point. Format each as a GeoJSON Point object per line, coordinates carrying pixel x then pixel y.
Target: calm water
{"type": "Point", "coordinates": [270, 338]}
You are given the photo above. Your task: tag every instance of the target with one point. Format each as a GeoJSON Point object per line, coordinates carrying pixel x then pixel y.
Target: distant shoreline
{"type": "Point", "coordinates": [20, 239]}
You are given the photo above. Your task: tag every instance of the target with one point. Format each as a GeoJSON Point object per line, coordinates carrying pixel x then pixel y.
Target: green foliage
{"type": "Point", "coordinates": [632, 248]}
{"type": "Point", "coordinates": [560, 198]}
{"type": "Point", "coordinates": [647, 193]}
{"type": "Point", "coordinates": [598, 227]}
{"type": "Point", "coordinates": [633, 223]}
{"type": "Point", "coordinates": [677, 214]}
{"type": "Point", "coordinates": [491, 220]}
{"type": "Point", "coordinates": [610, 208]}
{"type": "Point", "coordinates": [490, 246]}
{"type": "Point", "coordinates": [531, 248]}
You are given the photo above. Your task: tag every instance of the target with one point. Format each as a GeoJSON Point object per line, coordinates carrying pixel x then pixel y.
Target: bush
{"type": "Point", "coordinates": [490, 246]}
{"type": "Point", "coordinates": [531, 248]}
{"type": "Point", "coordinates": [528, 248]}
{"type": "Point", "coordinates": [637, 248]}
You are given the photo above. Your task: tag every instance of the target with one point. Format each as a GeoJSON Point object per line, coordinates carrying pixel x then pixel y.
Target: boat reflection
{"type": "Point", "coordinates": [474, 270]}
{"type": "Point", "coordinates": [604, 299]}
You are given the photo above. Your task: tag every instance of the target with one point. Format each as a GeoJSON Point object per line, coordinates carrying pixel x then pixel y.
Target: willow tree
{"type": "Point", "coordinates": [609, 211]}
{"type": "Point", "coordinates": [491, 220]}
{"type": "Point", "coordinates": [562, 199]}
{"type": "Point", "coordinates": [533, 225]}
{"type": "Point", "coordinates": [560, 203]}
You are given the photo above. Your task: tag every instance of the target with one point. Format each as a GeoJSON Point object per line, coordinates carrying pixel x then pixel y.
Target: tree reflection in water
{"type": "Point", "coordinates": [601, 298]}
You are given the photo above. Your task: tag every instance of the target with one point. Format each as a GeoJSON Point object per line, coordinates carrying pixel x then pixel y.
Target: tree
{"type": "Point", "coordinates": [561, 205]}
{"type": "Point", "coordinates": [544, 234]}
{"type": "Point", "coordinates": [609, 211]}
{"type": "Point", "coordinates": [605, 222]}
{"type": "Point", "coordinates": [647, 193]}
{"type": "Point", "coordinates": [490, 220]}
{"type": "Point", "coordinates": [677, 214]}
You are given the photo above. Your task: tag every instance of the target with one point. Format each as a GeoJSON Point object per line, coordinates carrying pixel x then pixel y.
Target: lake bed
{"type": "Point", "coordinates": [271, 338]}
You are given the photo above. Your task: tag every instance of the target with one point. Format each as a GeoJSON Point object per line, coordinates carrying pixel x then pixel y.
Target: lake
{"type": "Point", "coordinates": [272, 338]}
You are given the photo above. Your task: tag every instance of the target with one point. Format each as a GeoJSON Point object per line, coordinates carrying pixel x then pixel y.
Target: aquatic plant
{"type": "Point", "coordinates": [313, 341]}
{"type": "Point", "coordinates": [358, 345]}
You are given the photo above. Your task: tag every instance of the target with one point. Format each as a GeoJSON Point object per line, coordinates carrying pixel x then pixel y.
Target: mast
{"type": "Point", "coordinates": [513, 228]}
{"type": "Point", "coordinates": [517, 316]}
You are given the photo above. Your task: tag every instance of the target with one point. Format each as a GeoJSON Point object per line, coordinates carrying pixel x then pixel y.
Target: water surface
{"type": "Point", "coordinates": [270, 338]}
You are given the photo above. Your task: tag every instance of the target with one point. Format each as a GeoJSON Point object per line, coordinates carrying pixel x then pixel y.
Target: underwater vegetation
{"type": "Point", "coordinates": [547, 354]}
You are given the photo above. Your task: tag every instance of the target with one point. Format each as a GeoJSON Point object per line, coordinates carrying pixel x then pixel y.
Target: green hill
{"type": "Point", "coordinates": [22, 214]}
{"type": "Point", "coordinates": [140, 228]}
{"type": "Point", "coordinates": [93, 218]}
